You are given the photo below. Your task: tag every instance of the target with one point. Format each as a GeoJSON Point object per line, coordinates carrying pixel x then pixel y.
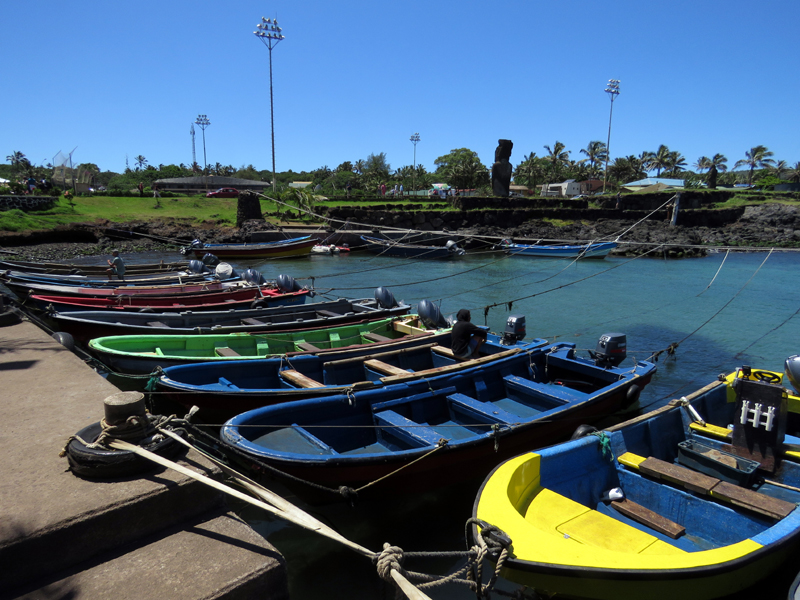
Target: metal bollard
{"type": "Point", "coordinates": [118, 407]}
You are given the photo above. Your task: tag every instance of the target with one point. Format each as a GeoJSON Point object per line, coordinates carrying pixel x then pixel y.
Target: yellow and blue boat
{"type": "Point", "coordinates": [695, 500]}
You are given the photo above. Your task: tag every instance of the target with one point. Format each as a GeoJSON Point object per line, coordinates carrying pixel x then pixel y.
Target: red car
{"type": "Point", "coordinates": [223, 193]}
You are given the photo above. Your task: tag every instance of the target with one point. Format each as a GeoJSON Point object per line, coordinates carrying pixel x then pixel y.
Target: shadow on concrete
{"type": "Point", "coordinates": [16, 365]}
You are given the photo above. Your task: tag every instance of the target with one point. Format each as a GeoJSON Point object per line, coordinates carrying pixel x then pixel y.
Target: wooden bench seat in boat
{"type": "Point", "coordinates": [551, 396]}
{"type": "Point", "coordinates": [396, 425]}
{"type": "Point", "coordinates": [385, 368]}
{"type": "Point", "coordinates": [483, 412]}
{"type": "Point", "coordinates": [328, 313]}
{"type": "Point", "coordinates": [709, 486]}
{"type": "Point", "coordinates": [158, 324]}
{"type": "Point", "coordinates": [226, 352]}
{"type": "Point", "coordinates": [789, 449]}
{"type": "Point", "coordinates": [645, 516]}
{"type": "Point", "coordinates": [376, 337]}
{"type": "Point", "coordinates": [231, 386]}
{"type": "Point", "coordinates": [573, 520]}
{"type": "Point", "coordinates": [299, 379]}
{"type": "Point", "coordinates": [444, 351]}
{"type": "Point", "coordinates": [250, 321]}
{"type": "Point", "coordinates": [307, 347]}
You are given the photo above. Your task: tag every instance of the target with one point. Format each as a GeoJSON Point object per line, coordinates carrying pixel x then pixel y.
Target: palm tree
{"type": "Point", "coordinates": [715, 164]}
{"type": "Point", "coordinates": [660, 159]}
{"type": "Point", "coordinates": [141, 161]}
{"type": "Point", "coordinates": [779, 168]}
{"type": "Point", "coordinates": [529, 170]}
{"type": "Point", "coordinates": [557, 157]}
{"type": "Point", "coordinates": [702, 164]}
{"type": "Point", "coordinates": [758, 156]}
{"type": "Point", "coordinates": [360, 166]}
{"type": "Point", "coordinates": [675, 163]}
{"type": "Point", "coordinates": [596, 154]}
{"type": "Point", "coordinates": [794, 173]}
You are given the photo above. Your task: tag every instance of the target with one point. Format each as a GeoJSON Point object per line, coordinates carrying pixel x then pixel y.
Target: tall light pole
{"type": "Point", "coordinates": [203, 122]}
{"type": "Point", "coordinates": [613, 91]}
{"type": "Point", "coordinates": [415, 141]}
{"type": "Point", "coordinates": [194, 155]}
{"type": "Point", "coordinates": [270, 34]}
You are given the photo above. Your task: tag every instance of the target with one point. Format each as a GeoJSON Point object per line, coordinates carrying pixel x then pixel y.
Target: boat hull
{"type": "Point", "coordinates": [401, 250]}
{"type": "Point", "coordinates": [293, 247]}
{"type": "Point", "coordinates": [597, 250]}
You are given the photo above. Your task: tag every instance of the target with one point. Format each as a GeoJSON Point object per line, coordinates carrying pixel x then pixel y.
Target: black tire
{"type": "Point", "coordinates": [65, 339]}
{"type": "Point", "coordinates": [98, 463]}
{"type": "Point", "coordinates": [583, 431]}
{"type": "Point", "coordinates": [632, 396]}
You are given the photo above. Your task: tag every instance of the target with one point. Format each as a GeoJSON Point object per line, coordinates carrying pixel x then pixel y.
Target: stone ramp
{"type": "Point", "coordinates": [52, 521]}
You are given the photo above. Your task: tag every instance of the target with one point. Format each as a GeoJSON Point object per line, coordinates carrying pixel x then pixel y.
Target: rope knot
{"type": "Point", "coordinates": [389, 559]}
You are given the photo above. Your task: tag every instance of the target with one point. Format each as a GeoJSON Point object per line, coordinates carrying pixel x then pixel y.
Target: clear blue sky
{"type": "Point", "coordinates": [359, 77]}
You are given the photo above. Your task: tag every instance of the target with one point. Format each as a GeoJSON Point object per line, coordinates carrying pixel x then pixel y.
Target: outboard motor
{"type": "Point", "coordinates": [385, 298]}
{"type": "Point", "coordinates": [253, 276]}
{"type": "Point", "coordinates": [287, 283]}
{"type": "Point", "coordinates": [431, 315]}
{"type": "Point", "coordinates": [793, 371]}
{"type": "Point", "coordinates": [210, 260]}
{"type": "Point", "coordinates": [515, 330]}
{"type": "Point", "coordinates": [611, 350]}
{"type": "Point", "coordinates": [224, 271]}
{"type": "Point", "coordinates": [196, 266]}
{"type": "Point", "coordinates": [454, 248]}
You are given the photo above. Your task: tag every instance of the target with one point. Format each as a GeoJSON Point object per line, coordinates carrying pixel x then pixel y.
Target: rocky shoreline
{"type": "Point", "coordinates": [768, 225]}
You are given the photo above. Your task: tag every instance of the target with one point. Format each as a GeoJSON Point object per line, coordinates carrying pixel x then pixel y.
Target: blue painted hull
{"type": "Point", "coordinates": [486, 414]}
{"type": "Point", "coordinates": [598, 250]}
{"type": "Point", "coordinates": [401, 250]}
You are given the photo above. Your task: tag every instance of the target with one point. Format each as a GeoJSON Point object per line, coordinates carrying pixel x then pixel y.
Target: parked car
{"type": "Point", "coordinates": [223, 193]}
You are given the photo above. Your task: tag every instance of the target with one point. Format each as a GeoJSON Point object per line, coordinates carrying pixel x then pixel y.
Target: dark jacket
{"type": "Point", "coordinates": [463, 331]}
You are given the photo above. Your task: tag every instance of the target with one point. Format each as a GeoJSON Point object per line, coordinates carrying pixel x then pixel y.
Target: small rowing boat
{"type": "Point", "coordinates": [299, 246]}
{"type": "Point", "coordinates": [394, 248]}
{"type": "Point", "coordinates": [595, 250]}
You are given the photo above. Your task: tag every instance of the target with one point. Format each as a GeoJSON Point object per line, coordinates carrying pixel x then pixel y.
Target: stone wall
{"type": "Point", "coordinates": [26, 203]}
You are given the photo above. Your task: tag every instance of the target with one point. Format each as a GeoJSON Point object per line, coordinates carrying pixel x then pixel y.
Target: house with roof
{"type": "Point", "coordinates": [654, 184]}
{"type": "Point", "coordinates": [200, 183]}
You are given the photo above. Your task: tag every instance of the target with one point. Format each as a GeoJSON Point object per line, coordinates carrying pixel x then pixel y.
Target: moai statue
{"type": "Point", "coordinates": [501, 169]}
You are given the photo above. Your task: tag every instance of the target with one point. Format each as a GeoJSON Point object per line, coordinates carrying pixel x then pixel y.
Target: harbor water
{"type": "Point", "coordinates": [697, 317]}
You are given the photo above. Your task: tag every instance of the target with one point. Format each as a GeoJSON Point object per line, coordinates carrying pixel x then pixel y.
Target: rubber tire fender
{"type": "Point", "coordinates": [632, 395]}
{"type": "Point", "coordinates": [100, 463]}
{"type": "Point", "coordinates": [65, 339]}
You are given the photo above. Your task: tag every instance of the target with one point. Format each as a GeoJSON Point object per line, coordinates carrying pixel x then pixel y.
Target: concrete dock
{"type": "Point", "coordinates": [154, 536]}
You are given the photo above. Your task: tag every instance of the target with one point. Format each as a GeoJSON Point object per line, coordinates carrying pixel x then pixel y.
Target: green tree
{"type": "Point", "coordinates": [532, 169]}
{"type": "Point", "coordinates": [596, 154]}
{"type": "Point", "coordinates": [779, 168]}
{"type": "Point", "coordinates": [557, 157]}
{"type": "Point", "coordinates": [660, 160]}
{"type": "Point", "coordinates": [758, 156]}
{"type": "Point", "coordinates": [462, 168]}
{"type": "Point", "coordinates": [794, 173]}
{"type": "Point", "coordinates": [141, 161]}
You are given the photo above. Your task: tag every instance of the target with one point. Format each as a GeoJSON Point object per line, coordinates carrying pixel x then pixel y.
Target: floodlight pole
{"type": "Point", "coordinates": [415, 141]}
{"type": "Point", "coordinates": [203, 122]}
{"type": "Point", "coordinates": [270, 34]}
{"type": "Point", "coordinates": [613, 91]}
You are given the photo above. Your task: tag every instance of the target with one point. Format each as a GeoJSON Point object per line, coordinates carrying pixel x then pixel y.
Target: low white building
{"type": "Point", "coordinates": [565, 189]}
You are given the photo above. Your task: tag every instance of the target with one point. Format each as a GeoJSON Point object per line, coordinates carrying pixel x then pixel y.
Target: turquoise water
{"type": "Point", "coordinates": [723, 311]}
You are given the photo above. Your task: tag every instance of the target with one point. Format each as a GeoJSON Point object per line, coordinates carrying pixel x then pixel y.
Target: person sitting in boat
{"type": "Point", "coordinates": [116, 266]}
{"type": "Point", "coordinates": [466, 338]}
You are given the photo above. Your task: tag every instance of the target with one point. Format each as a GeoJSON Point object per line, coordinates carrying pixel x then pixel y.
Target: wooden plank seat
{"type": "Point", "coordinates": [645, 516]}
{"type": "Point", "coordinates": [482, 411]}
{"type": "Point", "coordinates": [249, 321]}
{"type": "Point", "coordinates": [385, 368]}
{"type": "Point", "coordinates": [328, 313]}
{"type": "Point", "coordinates": [709, 486]}
{"type": "Point", "coordinates": [158, 324]}
{"type": "Point", "coordinates": [229, 352]}
{"type": "Point", "coordinates": [299, 379]}
{"type": "Point", "coordinates": [396, 425]}
{"type": "Point", "coordinates": [377, 337]}
{"type": "Point", "coordinates": [444, 351]}
{"type": "Point", "coordinates": [307, 347]}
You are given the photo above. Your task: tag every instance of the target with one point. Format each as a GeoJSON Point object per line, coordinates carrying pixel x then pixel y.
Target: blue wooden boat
{"type": "Point", "coordinates": [595, 250]}
{"type": "Point", "coordinates": [441, 430]}
{"type": "Point", "coordinates": [694, 500]}
{"type": "Point", "coordinates": [236, 386]}
{"type": "Point", "coordinates": [394, 248]}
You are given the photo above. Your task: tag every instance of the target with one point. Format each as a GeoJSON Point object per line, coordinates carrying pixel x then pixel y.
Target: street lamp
{"type": "Point", "coordinates": [270, 34]}
{"type": "Point", "coordinates": [613, 91]}
{"type": "Point", "coordinates": [414, 140]}
{"type": "Point", "coordinates": [203, 122]}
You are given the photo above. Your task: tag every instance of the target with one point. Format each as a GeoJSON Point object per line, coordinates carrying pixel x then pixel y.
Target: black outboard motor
{"type": "Point", "coordinates": [514, 331]}
{"type": "Point", "coordinates": [385, 298]}
{"type": "Point", "coordinates": [253, 276]}
{"type": "Point", "coordinates": [431, 315]}
{"type": "Point", "coordinates": [210, 260]}
{"type": "Point", "coordinates": [793, 371]}
{"type": "Point", "coordinates": [196, 266]}
{"type": "Point", "coordinates": [611, 350]}
{"type": "Point", "coordinates": [287, 283]}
